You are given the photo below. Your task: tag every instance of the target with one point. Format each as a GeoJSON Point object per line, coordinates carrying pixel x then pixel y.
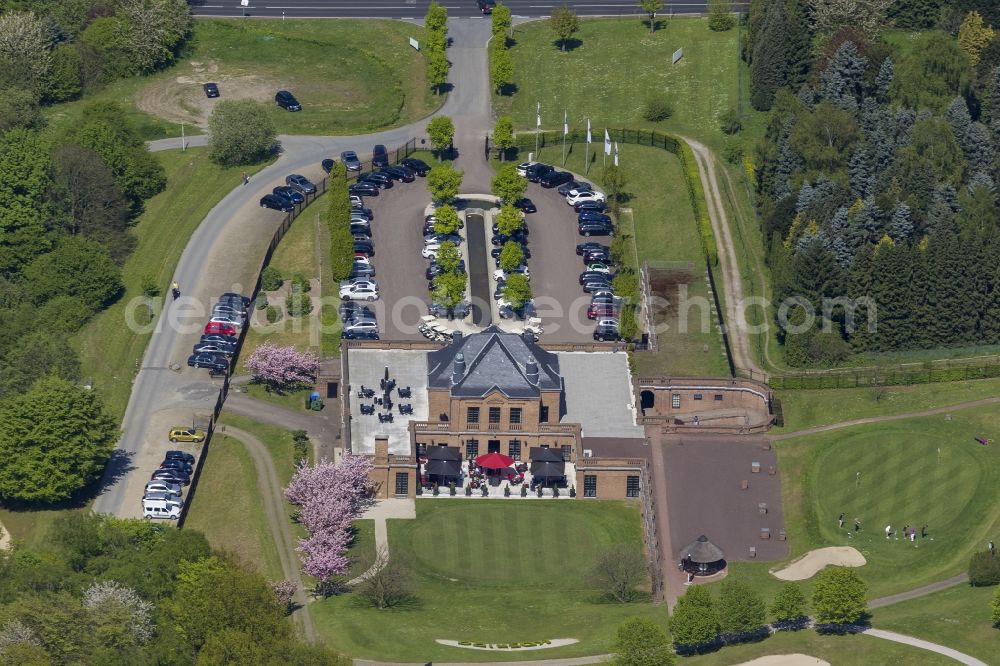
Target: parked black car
{"type": "Point", "coordinates": [486, 6]}
{"type": "Point", "coordinates": [179, 455]}
{"type": "Point", "coordinates": [363, 212]}
{"type": "Point", "coordinates": [287, 101]}
{"type": "Point", "coordinates": [460, 311]}
{"type": "Point", "coordinates": [365, 247]}
{"type": "Point", "coordinates": [518, 237]}
{"type": "Point", "coordinates": [211, 90]}
{"type": "Point", "coordinates": [401, 173]}
{"type": "Point", "coordinates": [174, 476]}
{"type": "Point", "coordinates": [358, 229]}
{"type": "Point", "coordinates": [350, 160]}
{"type": "Point", "coordinates": [599, 206]}
{"type": "Point", "coordinates": [606, 334]}
{"type": "Point", "coordinates": [380, 156]}
{"type": "Point", "coordinates": [352, 309]}
{"type": "Point", "coordinates": [300, 183]}
{"type": "Point", "coordinates": [419, 167]}
{"type": "Point", "coordinates": [596, 255]}
{"type": "Point", "coordinates": [292, 195]}
{"type": "Point", "coordinates": [210, 361]}
{"type": "Point", "coordinates": [537, 170]}
{"type": "Point", "coordinates": [327, 164]}
{"type": "Point", "coordinates": [587, 247]}
{"type": "Point", "coordinates": [174, 463]}
{"type": "Point", "coordinates": [363, 188]}
{"type": "Point", "coordinates": [555, 178]}
{"type": "Point", "coordinates": [360, 269]}
{"type": "Point", "coordinates": [215, 337]}
{"type": "Point", "coordinates": [595, 229]}
{"type": "Point", "coordinates": [526, 205]}
{"type": "Point", "coordinates": [495, 252]}
{"type": "Point", "coordinates": [382, 180]}
{"type": "Point", "coordinates": [233, 296]}
{"type": "Point", "coordinates": [277, 203]}
{"type": "Point", "coordinates": [593, 216]}
{"type": "Point", "coordinates": [593, 275]}
{"type": "Point", "coordinates": [213, 348]}
{"type": "Point", "coordinates": [574, 185]}
{"type": "Point", "coordinates": [359, 334]}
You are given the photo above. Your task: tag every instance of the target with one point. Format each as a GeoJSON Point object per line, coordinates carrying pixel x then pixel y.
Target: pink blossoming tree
{"type": "Point", "coordinates": [329, 496]}
{"type": "Point", "coordinates": [282, 367]}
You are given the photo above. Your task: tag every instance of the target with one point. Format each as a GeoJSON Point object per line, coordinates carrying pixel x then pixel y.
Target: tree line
{"type": "Point", "coordinates": [108, 591]}
{"type": "Point", "coordinates": [877, 177]}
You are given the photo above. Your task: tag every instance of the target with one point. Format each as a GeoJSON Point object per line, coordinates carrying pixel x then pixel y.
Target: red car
{"type": "Point", "coordinates": [219, 328]}
{"type": "Point", "coordinates": [601, 310]}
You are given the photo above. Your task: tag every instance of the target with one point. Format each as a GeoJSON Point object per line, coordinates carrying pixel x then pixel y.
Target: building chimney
{"type": "Point", "coordinates": [459, 370]}
{"type": "Point", "coordinates": [531, 371]}
{"type": "Point", "coordinates": [381, 451]}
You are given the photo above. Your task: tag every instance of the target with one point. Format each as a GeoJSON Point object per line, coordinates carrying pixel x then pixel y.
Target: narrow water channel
{"type": "Point", "coordinates": [479, 279]}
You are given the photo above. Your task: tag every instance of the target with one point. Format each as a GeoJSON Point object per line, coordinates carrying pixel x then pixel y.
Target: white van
{"type": "Point", "coordinates": [161, 508]}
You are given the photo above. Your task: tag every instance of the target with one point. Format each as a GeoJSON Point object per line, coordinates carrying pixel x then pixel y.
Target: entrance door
{"type": "Point", "coordinates": [493, 446]}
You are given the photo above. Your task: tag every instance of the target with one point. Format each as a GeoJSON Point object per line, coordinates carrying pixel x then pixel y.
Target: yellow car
{"type": "Point", "coordinates": [187, 435]}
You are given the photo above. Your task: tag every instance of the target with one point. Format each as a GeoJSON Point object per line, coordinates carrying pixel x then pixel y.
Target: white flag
{"type": "Point", "coordinates": [538, 114]}
{"type": "Point", "coordinates": [565, 124]}
{"type": "Point", "coordinates": [607, 143]}
{"type": "Point", "coordinates": [589, 138]}
{"type": "Point", "coordinates": [616, 153]}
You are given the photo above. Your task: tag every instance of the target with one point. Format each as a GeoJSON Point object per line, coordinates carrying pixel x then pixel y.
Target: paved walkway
{"type": "Point", "coordinates": [278, 521]}
{"type": "Point", "coordinates": [673, 578]}
{"type": "Point", "coordinates": [889, 417]}
{"type": "Point", "coordinates": [323, 427]}
{"type": "Point", "coordinates": [4, 537]}
{"type": "Point", "coordinates": [382, 510]}
{"type": "Point", "coordinates": [924, 645]}
{"type": "Point", "coordinates": [919, 592]}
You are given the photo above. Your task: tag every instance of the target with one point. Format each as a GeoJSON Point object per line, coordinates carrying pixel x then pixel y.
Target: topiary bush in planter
{"type": "Point", "coordinates": [271, 279]}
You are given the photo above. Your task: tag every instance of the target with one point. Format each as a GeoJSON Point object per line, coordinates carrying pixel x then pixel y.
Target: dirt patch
{"type": "Point", "coordinates": [180, 98]}
{"type": "Point", "coordinates": [814, 561]}
{"type": "Point", "coordinates": [663, 287]}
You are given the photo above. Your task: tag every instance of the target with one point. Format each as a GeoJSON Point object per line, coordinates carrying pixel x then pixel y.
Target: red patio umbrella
{"type": "Point", "coordinates": [494, 461]}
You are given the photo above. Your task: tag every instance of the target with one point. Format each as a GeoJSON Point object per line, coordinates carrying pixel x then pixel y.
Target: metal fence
{"type": "Point", "coordinates": [650, 532]}
{"type": "Point", "coordinates": [898, 375]}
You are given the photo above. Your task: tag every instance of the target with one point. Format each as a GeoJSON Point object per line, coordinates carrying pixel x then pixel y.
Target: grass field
{"type": "Point", "coordinates": [350, 76]}
{"type": "Point", "coordinates": [958, 617]}
{"type": "Point", "coordinates": [228, 488]}
{"type": "Point", "coordinates": [903, 481]}
{"type": "Point", "coordinates": [109, 351]}
{"type": "Point", "coordinates": [492, 571]}
{"type": "Point", "coordinates": [807, 408]}
{"type": "Point", "coordinates": [590, 80]}
{"type": "Point", "coordinates": [850, 650]}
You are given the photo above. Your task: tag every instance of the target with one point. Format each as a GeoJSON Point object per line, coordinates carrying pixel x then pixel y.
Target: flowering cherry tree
{"type": "Point", "coordinates": [329, 496]}
{"type": "Point", "coordinates": [109, 602]}
{"type": "Point", "coordinates": [282, 367]}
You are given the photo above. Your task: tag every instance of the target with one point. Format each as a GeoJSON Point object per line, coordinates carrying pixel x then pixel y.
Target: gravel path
{"type": "Point", "coordinates": [924, 645]}
{"type": "Point", "coordinates": [277, 519]}
{"type": "Point", "coordinates": [919, 592]}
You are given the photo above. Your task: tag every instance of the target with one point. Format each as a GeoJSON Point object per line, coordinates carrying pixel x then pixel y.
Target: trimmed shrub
{"type": "Point", "coordinates": [271, 279]}
{"type": "Point", "coordinates": [984, 569]}
{"type": "Point", "coordinates": [273, 314]}
{"type": "Point", "coordinates": [657, 108]}
{"type": "Point", "coordinates": [300, 283]}
{"type": "Point", "coordinates": [298, 304]}
{"type": "Point", "coordinates": [261, 302]}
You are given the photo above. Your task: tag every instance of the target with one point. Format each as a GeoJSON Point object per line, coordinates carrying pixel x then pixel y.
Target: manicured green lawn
{"type": "Point", "coordinates": [903, 481]}
{"type": "Point", "coordinates": [290, 399]}
{"type": "Point", "coordinates": [109, 351]}
{"type": "Point", "coordinates": [850, 650]}
{"type": "Point", "coordinates": [492, 571]}
{"type": "Point", "coordinates": [618, 62]}
{"type": "Point", "coordinates": [958, 617]}
{"type": "Point", "coordinates": [809, 408]}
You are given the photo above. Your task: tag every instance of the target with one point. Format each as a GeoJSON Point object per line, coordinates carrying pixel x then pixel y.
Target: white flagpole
{"type": "Point", "coordinates": [607, 147]}
{"type": "Point", "coordinates": [587, 152]}
{"type": "Point", "coordinates": [616, 153]}
{"type": "Point", "coordinates": [538, 125]}
{"type": "Point", "coordinates": [565, 132]}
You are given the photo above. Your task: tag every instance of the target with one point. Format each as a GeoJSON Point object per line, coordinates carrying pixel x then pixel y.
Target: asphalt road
{"type": "Point", "coordinates": [416, 9]}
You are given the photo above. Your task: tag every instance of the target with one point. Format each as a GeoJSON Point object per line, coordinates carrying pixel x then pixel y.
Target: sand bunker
{"type": "Point", "coordinates": [786, 660]}
{"type": "Point", "coordinates": [812, 562]}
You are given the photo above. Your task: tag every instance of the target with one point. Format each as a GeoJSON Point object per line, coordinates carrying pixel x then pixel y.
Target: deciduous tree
{"type": "Point", "coordinates": [564, 22]}
{"type": "Point", "coordinates": [437, 69]}
{"type": "Point", "coordinates": [720, 15]}
{"type": "Point", "coordinates": [24, 181]}
{"type": "Point", "coordinates": [448, 257]}
{"type": "Point", "coordinates": [508, 185]}
{"type": "Point", "coordinates": [25, 58]}
{"type": "Point", "coordinates": [446, 219]}
{"type": "Point", "coordinates": [436, 19]}
{"type": "Point", "coordinates": [511, 256]}
{"type": "Point", "coordinates": [639, 642]}
{"type": "Point", "coordinates": [694, 622]}
{"type": "Point", "coordinates": [503, 140]}
{"type": "Point", "coordinates": [54, 440]}
{"type": "Point", "coordinates": [119, 616]}
{"type": "Point", "coordinates": [517, 290]}
{"type": "Point", "coordinates": [865, 16]}
{"type": "Point", "coordinates": [240, 132]}
{"type": "Point", "coordinates": [387, 581]}
{"type": "Point", "coordinates": [995, 608]}
{"type": "Point", "coordinates": [973, 36]}
{"type": "Point", "coordinates": [789, 605]}
{"type": "Point", "coordinates": [449, 289]}
{"type": "Point", "coordinates": [741, 610]}
{"type": "Point", "coordinates": [282, 368]}
{"type": "Point", "coordinates": [509, 220]}
{"type": "Point", "coordinates": [839, 596]}
{"type": "Point", "coordinates": [441, 131]}
{"type": "Point", "coordinates": [501, 21]}
{"type": "Point", "coordinates": [651, 8]}
{"type": "Point", "coordinates": [501, 67]}
{"type": "Point", "coordinates": [443, 182]}
{"type": "Point", "coordinates": [76, 267]}
{"type": "Point", "coordinates": [618, 570]}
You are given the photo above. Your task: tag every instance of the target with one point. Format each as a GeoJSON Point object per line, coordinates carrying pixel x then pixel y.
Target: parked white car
{"type": "Point", "coordinates": [572, 199]}
{"type": "Point", "coordinates": [232, 320]}
{"type": "Point", "coordinates": [162, 487]}
{"type": "Point", "coordinates": [522, 168]}
{"type": "Point", "coordinates": [501, 274]}
{"type": "Point", "coordinates": [359, 291]}
{"type": "Point", "coordinates": [430, 251]}
{"type": "Point", "coordinates": [161, 508]}
{"type": "Point", "coordinates": [363, 325]}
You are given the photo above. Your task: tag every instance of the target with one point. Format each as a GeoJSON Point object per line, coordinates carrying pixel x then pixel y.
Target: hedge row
{"type": "Point", "coordinates": [698, 202]}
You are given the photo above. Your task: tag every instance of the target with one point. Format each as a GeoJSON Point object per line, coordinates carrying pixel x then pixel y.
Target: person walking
{"type": "Point", "coordinates": [913, 534]}
{"type": "Point", "coordinates": [993, 548]}
{"type": "Point", "coordinates": [246, 178]}
{"type": "Point", "coordinates": [857, 525]}
{"type": "Point", "coordinates": [923, 532]}
{"type": "Point", "coordinates": [175, 289]}
{"type": "Point", "coordinates": [888, 531]}
{"type": "Point", "coordinates": [840, 520]}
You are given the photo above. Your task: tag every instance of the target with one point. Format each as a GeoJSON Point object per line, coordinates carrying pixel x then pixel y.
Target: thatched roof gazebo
{"type": "Point", "coordinates": [702, 557]}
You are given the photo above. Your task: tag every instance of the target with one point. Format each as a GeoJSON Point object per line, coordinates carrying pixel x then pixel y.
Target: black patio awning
{"type": "Point", "coordinates": [546, 455]}
{"type": "Point", "coordinates": [443, 467]}
{"type": "Point", "coordinates": [548, 468]}
{"type": "Point", "coordinates": [443, 453]}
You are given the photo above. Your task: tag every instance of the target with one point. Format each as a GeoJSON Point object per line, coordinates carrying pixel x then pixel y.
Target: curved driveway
{"type": "Point", "coordinates": [225, 253]}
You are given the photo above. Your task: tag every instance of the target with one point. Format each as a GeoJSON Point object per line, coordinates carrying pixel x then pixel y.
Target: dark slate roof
{"type": "Point", "coordinates": [443, 453]}
{"type": "Point", "coordinates": [493, 360]}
